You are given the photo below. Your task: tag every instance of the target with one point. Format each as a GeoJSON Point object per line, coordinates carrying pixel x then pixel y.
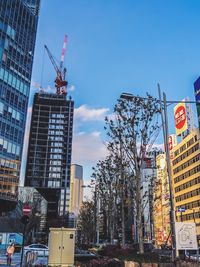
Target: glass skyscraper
{"type": "Point", "coordinates": [50, 149]}
{"type": "Point", "coordinates": [18, 26]}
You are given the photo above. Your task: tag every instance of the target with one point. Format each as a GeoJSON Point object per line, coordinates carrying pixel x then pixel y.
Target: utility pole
{"type": "Point", "coordinates": [163, 109]}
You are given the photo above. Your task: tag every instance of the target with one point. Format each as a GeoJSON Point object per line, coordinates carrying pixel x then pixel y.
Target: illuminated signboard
{"type": "Point", "coordinates": [180, 118]}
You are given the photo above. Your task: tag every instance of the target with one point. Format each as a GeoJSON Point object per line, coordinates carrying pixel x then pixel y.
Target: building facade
{"type": "Point", "coordinates": [148, 180]}
{"type": "Point", "coordinates": [161, 206]}
{"type": "Point", "coordinates": [76, 188]}
{"type": "Point", "coordinates": [18, 26]}
{"type": "Point", "coordinates": [186, 179]}
{"type": "Point", "coordinates": [50, 149]}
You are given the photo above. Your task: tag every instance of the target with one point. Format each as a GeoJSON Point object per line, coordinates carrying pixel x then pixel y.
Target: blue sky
{"type": "Point", "coordinates": [117, 46]}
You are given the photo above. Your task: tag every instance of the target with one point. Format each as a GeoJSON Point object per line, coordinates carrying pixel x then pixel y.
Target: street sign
{"type": "Point", "coordinates": [186, 237]}
{"type": "Point", "coordinates": [181, 209]}
{"type": "Point", "coordinates": [27, 209]}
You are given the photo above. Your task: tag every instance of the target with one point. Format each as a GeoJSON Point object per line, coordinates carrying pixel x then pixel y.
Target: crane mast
{"type": "Point", "coordinates": [60, 81]}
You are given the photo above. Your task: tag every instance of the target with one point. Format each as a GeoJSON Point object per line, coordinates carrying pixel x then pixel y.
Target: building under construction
{"type": "Point", "coordinates": [50, 149]}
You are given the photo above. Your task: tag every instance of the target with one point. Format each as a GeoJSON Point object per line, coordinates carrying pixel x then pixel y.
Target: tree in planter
{"type": "Point", "coordinates": [131, 132]}
{"type": "Point", "coordinates": [112, 191]}
{"type": "Point", "coordinates": [86, 222]}
{"type": "Point", "coordinates": [105, 179]}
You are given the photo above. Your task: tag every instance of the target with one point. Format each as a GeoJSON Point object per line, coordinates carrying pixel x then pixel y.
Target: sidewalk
{"type": "Point", "coordinates": [13, 265]}
{"type": "Point", "coordinates": [15, 261]}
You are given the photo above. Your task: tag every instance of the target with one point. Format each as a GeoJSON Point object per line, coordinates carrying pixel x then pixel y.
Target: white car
{"type": "Point", "coordinates": [192, 255]}
{"type": "Point", "coordinates": [40, 249]}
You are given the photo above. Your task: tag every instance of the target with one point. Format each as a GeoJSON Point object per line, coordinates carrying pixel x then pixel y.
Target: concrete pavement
{"type": "Point", "coordinates": [15, 260]}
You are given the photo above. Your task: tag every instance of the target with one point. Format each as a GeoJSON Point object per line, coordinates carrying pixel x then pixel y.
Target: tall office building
{"type": "Point", "coordinates": [18, 25]}
{"type": "Point", "coordinates": [76, 188]}
{"type": "Point", "coordinates": [49, 150]}
{"type": "Point", "coordinates": [186, 179]}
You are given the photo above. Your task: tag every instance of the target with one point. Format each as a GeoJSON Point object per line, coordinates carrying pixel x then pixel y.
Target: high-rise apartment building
{"type": "Point", "coordinates": [18, 25]}
{"type": "Point", "coordinates": [49, 150]}
{"type": "Point", "coordinates": [76, 188]}
{"type": "Point", "coordinates": [186, 179]}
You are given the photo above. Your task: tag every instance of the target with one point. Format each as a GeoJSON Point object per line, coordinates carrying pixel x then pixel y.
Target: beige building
{"type": "Point", "coordinates": [186, 179]}
{"type": "Point", "coordinates": [76, 189]}
{"type": "Point", "coordinates": [161, 203]}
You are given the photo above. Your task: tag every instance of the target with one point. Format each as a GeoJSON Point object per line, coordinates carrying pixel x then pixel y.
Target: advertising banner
{"type": "Point", "coordinates": [197, 97]}
{"type": "Point", "coordinates": [180, 118]}
{"type": "Point", "coordinates": [186, 237]}
{"type": "Point", "coordinates": [172, 140]}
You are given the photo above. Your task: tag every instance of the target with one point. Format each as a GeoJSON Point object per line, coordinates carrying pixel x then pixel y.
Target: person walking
{"type": "Point", "coordinates": [10, 252]}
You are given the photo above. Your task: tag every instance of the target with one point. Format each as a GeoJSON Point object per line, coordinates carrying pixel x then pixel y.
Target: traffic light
{"type": "Point", "coordinates": [25, 219]}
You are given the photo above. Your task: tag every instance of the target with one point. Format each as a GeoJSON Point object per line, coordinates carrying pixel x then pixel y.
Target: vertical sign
{"type": "Point", "coordinates": [180, 118]}
{"type": "Point", "coordinates": [172, 140]}
{"type": "Point", "coordinates": [197, 97]}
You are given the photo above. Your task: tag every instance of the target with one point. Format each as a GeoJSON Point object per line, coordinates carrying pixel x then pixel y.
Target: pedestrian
{"type": "Point", "coordinates": [10, 252]}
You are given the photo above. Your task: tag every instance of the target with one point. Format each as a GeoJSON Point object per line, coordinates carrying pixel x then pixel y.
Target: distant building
{"type": "Point", "coordinates": [49, 151]}
{"type": "Point", "coordinates": [76, 188]}
{"type": "Point", "coordinates": [161, 207]}
{"type": "Point", "coordinates": [18, 26]}
{"type": "Point", "coordinates": [148, 180]}
{"type": "Point", "coordinates": [186, 179]}
{"type": "Point", "coordinates": [38, 205]}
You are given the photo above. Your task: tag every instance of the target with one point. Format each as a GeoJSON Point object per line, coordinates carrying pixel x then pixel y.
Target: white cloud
{"type": "Point", "coordinates": [88, 148]}
{"type": "Point", "coordinates": [158, 146]}
{"type": "Point", "coordinates": [86, 113]}
{"type": "Point", "coordinates": [49, 89]}
{"type": "Point", "coordinates": [71, 88]}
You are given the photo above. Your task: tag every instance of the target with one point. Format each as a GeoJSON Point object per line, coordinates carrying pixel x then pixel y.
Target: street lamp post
{"type": "Point", "coordinates": [164, 118]}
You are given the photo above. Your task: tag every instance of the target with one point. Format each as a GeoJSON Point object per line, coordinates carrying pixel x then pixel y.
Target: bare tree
{"type": "Point", "coordinates": [86, 221]}
{"type": "Point", "coordinates": [104, 176]}
{"type": "Point", "coordinates": [131, 132]}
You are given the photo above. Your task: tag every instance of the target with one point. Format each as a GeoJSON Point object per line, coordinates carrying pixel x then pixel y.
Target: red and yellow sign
{"type": "Point", "coordinates": [172, 140]}
{"type": "Point", "coordinates": [180, 118]}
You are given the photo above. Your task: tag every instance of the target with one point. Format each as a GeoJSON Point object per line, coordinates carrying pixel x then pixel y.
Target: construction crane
{"type": "Point", "coordinates": [60, 82]}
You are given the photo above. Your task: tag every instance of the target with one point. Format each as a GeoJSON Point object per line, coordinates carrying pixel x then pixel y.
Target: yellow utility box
{"type": "Point", "coordinates": [61, 247]}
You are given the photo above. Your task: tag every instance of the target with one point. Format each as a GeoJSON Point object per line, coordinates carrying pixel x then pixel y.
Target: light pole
{"type": "Point", "coordinates": [164, 118]}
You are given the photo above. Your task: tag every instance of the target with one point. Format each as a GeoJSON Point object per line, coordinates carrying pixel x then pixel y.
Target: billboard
{"type": "Point", "coordinates": [197, 97]}
{"type": "Point", "coordinates": [186, 237]}
{"type": "Point", "coordinates": [180, 118]}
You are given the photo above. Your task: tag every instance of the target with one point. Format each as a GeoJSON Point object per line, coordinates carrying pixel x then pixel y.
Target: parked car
{"type": "Point", "coordinates": [40, 249]}
{"type": "Point", "coordinates": [192, 255]}
{"type": "Point", "coordinates": [81, 254]}
{"type": "Point", "coordinates": [148, 247]}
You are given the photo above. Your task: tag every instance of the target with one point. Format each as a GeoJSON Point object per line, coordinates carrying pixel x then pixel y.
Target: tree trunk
{"type": "Point", "coordinates": [123, 222]}
{"type": "Point", "coordinates": [139, 214]}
